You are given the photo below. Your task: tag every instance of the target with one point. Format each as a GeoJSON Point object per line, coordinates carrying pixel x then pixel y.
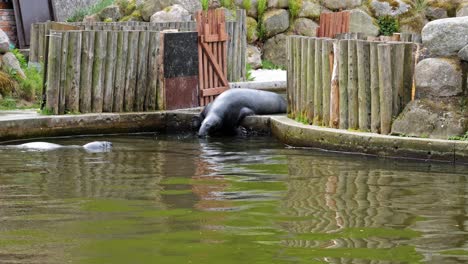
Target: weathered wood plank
{"type": "Point", "coordinates": [353, 104]}
{"type": "Point", "coordinates": [86, 81]}
{"type": "Point", "coordinates": [364, 92]}
{"type": "Point", "coordinates": [53, 75]}
{"type": "Point", "coordinates": [327, 46]}
{"type": "Point", "coordinates": [100, 53]}
{"type": "Point", "coordinates": [63, 90]}
{"type": "Point", "coordinates": [374, 87]}
{"type": "Point", "coordinates": [72, 104]}
{"type": "Point", "coordinates": [110, 68]}
{"type": "Point", "coordinates": [398, 56]}
{"type": "Point", "coordinates": [335, 88]}
{"type": "Point", "coordinates": [318, 95]}
{"type": "Point", "coordinates": [131, 72]}
{"type": "Point", "coordinates": [120, 71]}
{"type": "Point", "coordinates": [142, 70]}
{"type": "Point", "coordinates": [343, 83]}
{"type": "Point", "coordinates": [151, 95]}
{"type": "Point", "coordinates": [385, 87]}
{"type": "Point", "coordinates": [310, 57]}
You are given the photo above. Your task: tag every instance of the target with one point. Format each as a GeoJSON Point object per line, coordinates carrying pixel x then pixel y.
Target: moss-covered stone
{"type": "Point", "coordinates": [252, 34]}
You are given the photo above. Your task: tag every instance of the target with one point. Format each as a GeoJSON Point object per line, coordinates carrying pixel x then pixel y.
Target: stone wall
{"type": "Point", "coordinates": [8, 24]}
{"type": "Point", "coordinates": [66, 8]}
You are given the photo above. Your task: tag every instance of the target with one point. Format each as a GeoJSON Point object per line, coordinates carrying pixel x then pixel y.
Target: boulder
{"type": "Point", "coordinates": [440, 119]}
{"type": "Point", "coordinates": [341, 4]}
{"type": "Point", "coordinates": [463, 11]}
{"type": "Point", "coordinates": [149, 7]}
{"type": "Point", "coordinates": [438, 77]}
{"type": "Point", "coordinates": [360, 21]}
{"type": "Point", "coordinates": [274, 50]}
{"type": "Point", "coordinates": [433, 13]}
{"type": "Point", "coordinates": [275, 21]}
{"type": "Point", "coordinates": [254, 56]}
{"type": "Point", "coordinates": [175, 13]}
{"type": "Point", "coordinates": [305, 27]}
{"type": "Point", "coordinates": [252, 34]}
{"type": "Point", "coordinates": [463, 53]}
{"type": "Point", "coordinates": [310, 9]}
{"type": "Point", "coordinates": [278, 4]}
{"type": "Point", "coordinates": [111, 12]}
{"type": "Point", "coordinates": [252, 11]}
{"type": "Point", "coordinates": [11, 62]}
{"type": "Point", "coordinates": [445, 37]}
{"type": "Point", "coordinates": [4, 42]}
{"type": "Point", "coordinates": [389, 8]}
{"type": "Point", "coordinates": [91, 18]}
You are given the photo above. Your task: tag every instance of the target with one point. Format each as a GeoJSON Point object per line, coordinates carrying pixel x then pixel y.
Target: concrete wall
{"type": "Point", "coordinates": [66, 8]}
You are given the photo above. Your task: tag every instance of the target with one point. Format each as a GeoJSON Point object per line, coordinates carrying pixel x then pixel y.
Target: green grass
{"type": "Point", "coordinates": [246, 4]}
{"type": "Point", "coordinates": [249, 76]}
{"type": "Point", "coordinates": [94, 9]}
{"type": "Point", "coordinates": [294, 8]}
{"type": "Point", "coordinates": [205, 4]}
{"type": "Point", "coordinates": [460, 138]}
{"type": "Point", "coordinates": [268, 65]}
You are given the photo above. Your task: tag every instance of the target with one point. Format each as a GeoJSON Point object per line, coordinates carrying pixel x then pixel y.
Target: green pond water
{"type": "Point", "coordinates": [178, 199]}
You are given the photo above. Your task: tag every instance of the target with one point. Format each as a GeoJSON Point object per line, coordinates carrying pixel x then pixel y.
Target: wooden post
{"type": "Point", "coordinates": [290, 74]}
{"type": "Point", "coordinates": [408, 73]}
{"type": "Point", "coordinates": [120, 71]}
{"type": "Point", "coordinates": [310, 79]}
{"type": "Point", "coordinates": [353, 104]}
{"type": "Point", "coordinates": [53, 75]}
{"type": "Point", "coordinates": [73, 72]}
{"type": "Point", "coordinates": [86, 82]}
{"type": "Point", "coordinates": [303, 87]}
{"type": "Point", "coordinates": [318, 95]}
{"type": "Point", "coordinates": [109, 84]}
{"type": "Point", "coordinates": [142, 71]}
{"type": "Point", "coordinates": [63, 73]}
{"type": "Point", "coordinates": [41, 44]}
{"type": "Point", "coordinates": [34, 49]}
{"type": "Point", "coordinates": [398, 57]}
{"type": "Point", "coordinates": [335, 88]}
{"type": "Point", "coordinates": [343, 83]}
{"type": "Point", "coordinates": [364, 93]}
{"type": "Point", "coordinates": [132, 61]}
{"type": "Point", "coordinates": [99, 68]}
{"type": "Point", "coordinates": [374, 87]}
{"type": "Point", "coordinates": [151, 95]}
{"type": "Point", "coordinates": [385, 87]}
{"type": "Point", "coordinates": [327, 46]}
{"type": "Point", "coordinates": [298, 80]}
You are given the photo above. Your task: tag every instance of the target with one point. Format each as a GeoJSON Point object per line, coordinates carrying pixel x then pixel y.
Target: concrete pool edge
{"type": "Point", "coordinates": [284, 129]}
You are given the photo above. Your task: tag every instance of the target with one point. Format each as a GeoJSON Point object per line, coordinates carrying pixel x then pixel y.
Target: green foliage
{"type": "Point", "coordinates": [268, 65]}
{"type": "Point", "coordinates": [388, 25]}
{"type": "Point", "coordinates": [261, 8]}
{"type": "Point", "coordinates": [461, 138]}
{"type": "Point", "coordinates": [261, 31]}
{"type": "Point", "coordinates": [205, 4]}
{"type": "Point", "coordinates": [302, 119]}
{"type": "Point", "coordinates": [108, 20]}
{"type": "Point", "coordinates": [20, 57]}
{"type": "Point", "coordinates": [420, 6]}
{"type": "Point", "coordinates": [8, 103]}
{"type": "Point", "coordinates": [31, 87]}
{"type": "Point", "coordinates": [294, 8]}
{"type": "Point", "coordinates": [249, 76]}
{"type": "Point", "coordinates": [127, 7]}
{"type": "Point", "coordinates": [246, 4]}
{"type": "Point", "coordinates": [94, 9]}
{"type": "Point", "coordinates": [7, 85]}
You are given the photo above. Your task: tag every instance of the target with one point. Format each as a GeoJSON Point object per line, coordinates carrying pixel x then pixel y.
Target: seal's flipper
{"type": "Point", "coordinates": [245, 111]}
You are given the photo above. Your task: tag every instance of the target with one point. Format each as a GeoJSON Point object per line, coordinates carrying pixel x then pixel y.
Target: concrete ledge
{"type": "Point", "coordinates": [296, 134]}
{"type": "Point", "coordinates": [274, 86]}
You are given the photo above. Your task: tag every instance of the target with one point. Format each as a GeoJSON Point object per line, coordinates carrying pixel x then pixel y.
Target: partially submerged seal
{"type": "Point", "coordinates": [95, 146]}
{"type": "Point", "coordinates": [224, 114]}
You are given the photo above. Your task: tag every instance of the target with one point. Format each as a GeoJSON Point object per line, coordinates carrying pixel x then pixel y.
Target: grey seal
{"type": "Point", "coordinates": [224, 114]}
{"type": "Point", "coordinates": [95, 146]}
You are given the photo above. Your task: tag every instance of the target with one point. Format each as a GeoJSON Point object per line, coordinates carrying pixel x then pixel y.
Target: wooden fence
{"type": "Point", "coordinates": [349, 84]}
{"type": "Point", "coordinates": [332, 24]}
{"type": "Point", "coordinates": [236, 43]}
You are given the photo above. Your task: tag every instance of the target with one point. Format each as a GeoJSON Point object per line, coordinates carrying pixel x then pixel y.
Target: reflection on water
{"type": "Point", "coordinates": [178, 199]}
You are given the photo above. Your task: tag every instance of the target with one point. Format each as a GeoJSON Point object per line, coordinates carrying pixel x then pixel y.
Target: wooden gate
{"type": "Point", "coordinates": [212, 54]}
{"type": "Point", "coordinates": [332, 24]}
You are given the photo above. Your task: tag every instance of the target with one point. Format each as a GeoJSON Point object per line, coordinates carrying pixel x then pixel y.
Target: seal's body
{"type": "Point", "coordinates": [95, 146]}
{"type": "Point", "coordinates": [225, 113]}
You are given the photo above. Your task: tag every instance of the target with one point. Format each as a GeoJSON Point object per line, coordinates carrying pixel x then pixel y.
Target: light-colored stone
{"type": "Point", "coordinates": [438, 77]}
{"type": "Point", "coordinates": [252, 33]}
{"type": "Point", "coordinates": [149, 7]}
{"type": "Point", "coordinates": [310, 9]}
{"type": "Point", "coordinates": [254, 56]}
{"type": "Point", "coordinates": [252, 11]}
{"type": "Point", "coordinates": [91, 18]}
{"type": "Point", "coordinates": [360, 21]}
{"type": "Point", "coordinates": [432, 119]}
{"type": "Point", "coordinates": [275, 50]}
{"type": "Point", "coordinates": [384, 8]}
{"type": "Point", "coordinates": [413, 24]}
{"type": "Point", "coordinates": [433, 13]}
{"type": "Point", "coordinates": [11, 62]}
{"type": "Point", "coordinates": [4, 42]}
{"type": "Point", "coordinates": [275, 21]}
{"type": "Point", "coordinates": [112, 12]}
{"type": "Point", "coordinates": [341, 4]}
{"type": "Point", "coordinates": [463, 53]}
{"type": "Point", "coordinates": [463, 11]}
{"type": "Point", "coordinates": [175, 13]}
{"type": "Point", "coordinates": [445, 37]}
{"type": "Point", "coordinates": [278, 3]}
{"type": "Point", "coordinates": [305, 27]}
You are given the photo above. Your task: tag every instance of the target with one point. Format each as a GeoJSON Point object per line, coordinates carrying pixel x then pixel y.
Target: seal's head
{"type": "Point", "coordinates": [98, 146]}
{"type": "Point", "coordinates": [209, 125]}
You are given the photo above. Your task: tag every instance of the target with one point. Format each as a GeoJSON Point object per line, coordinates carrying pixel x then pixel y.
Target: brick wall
{"type": "Point", "coordinates": [8, 24]}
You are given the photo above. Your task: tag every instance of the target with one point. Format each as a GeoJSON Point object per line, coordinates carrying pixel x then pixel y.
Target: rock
{"type": "Point", "coordinates": [305, 27]}
{"type": "Point", "coordinates": [149, 7]}
{"type": "Point", "coordinates": [433, 119]}
{"type": "Point", "coordinates": [11, 62]}
{"type": "Point", "coordinates": [252, 10]}
{"type": "Point", "coordinates": [413, 24]}
{"type": "Point", "coordinates": [360, 21]}
{"type": "Point", "coordinates": [438, 77]}
{"type": "Point", "coordinates": [278, 4]}
{"type": "Point", "coordinates": [275, 21]}
{"type": "Point", "coordinates": [91, 19]}
{"type": "Point", "coordinates": [310, 9]}
{"type": "Point", "coordinates": [4, 42]}
{"type": "Point", "coordinates": [433, 13]}
{"type": "Point", "coordinates": [252, 34]}
{"type": "Point", "coordinates": [389, 8]}
{"type": "Point", "coordinates": [463, 11]}
{"type": "Point", "coordinates": [254, 56]}
{"type": "Point", "coordinates": [463, 53]}
{"type": "Point", "coordinates": [112, 12]}
{"type": "Point", "coordinates": [445, 37]}
{"type": "Point", "coordinates": [274, 50]}
{"type": "Point", "coordinates": [175, 13]}
{"type": "Point", "coordinates": [341, 4]}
